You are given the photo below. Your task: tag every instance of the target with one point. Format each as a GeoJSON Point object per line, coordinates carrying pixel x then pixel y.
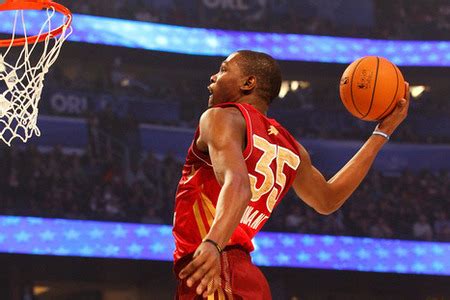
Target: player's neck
{"type": "Point", "coordinates": [259, 104]}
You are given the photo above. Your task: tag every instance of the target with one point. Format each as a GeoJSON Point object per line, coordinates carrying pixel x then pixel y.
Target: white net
{"type": "Point", "coordinates": [22, 73]}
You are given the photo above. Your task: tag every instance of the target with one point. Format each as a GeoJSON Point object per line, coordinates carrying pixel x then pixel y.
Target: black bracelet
{"type": "Point", "coordinates": [214, 243]}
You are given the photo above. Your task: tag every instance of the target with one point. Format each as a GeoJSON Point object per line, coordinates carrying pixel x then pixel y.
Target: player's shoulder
{"type": "Point", "coordinates": [222, 116]}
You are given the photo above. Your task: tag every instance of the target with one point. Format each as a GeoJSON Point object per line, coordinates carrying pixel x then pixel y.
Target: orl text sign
{"type": "Point", "coordinates": [235, 5]}
{"type": "Point", "coordinates": [67, 103]}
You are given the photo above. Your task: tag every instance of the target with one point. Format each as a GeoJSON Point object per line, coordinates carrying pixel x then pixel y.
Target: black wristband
{"type": "Point", "coordinates": [214, 243]}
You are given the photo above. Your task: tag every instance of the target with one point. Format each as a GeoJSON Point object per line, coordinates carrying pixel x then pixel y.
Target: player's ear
{"type": "Point", "coordinates": [249, 84]}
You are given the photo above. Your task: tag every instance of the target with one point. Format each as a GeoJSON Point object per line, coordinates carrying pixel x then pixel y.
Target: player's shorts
{"type": "Point", "coordinates": [240, 278]}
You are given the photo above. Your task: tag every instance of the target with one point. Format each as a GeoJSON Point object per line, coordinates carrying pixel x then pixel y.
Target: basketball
{"type": "Point", "coordinates": [370, 87]}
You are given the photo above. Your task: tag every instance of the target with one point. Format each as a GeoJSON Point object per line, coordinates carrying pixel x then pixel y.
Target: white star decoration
{"type": "Point", "coordinates": [142, 231]}
{"type": "Point", "coordinates": [282, 258]}
{"type": "Point", "coordinates": [86, 251]}
{"type": "Point", "coordinates": [120, 232]}
{"type": "Point", "coordinates": [11, 220]}
{"type": "Point", "coordinates": [22, 236]}
{"type": "Point", "coordinates": [401, 251]}
{"type": "Point", "coordinates": [328, 240]}
{"type": "Point", "coordinates": [157, 248]}
{"type": "Point", "coordinates": [324, 256]}
{"type": "Point", "coordinates": [302, 256]}
{"type": "Point", "coordinates": [72, 234]}
{"type": "Point", "coordinates": [382, 253]}
{"type": "Point", "coordinates": [135, 249]}
{"type": "Point", "coordinates": [363, 253]}
{"type": "Point", "coordinates": [111, 250]}
{"type": "Point", "coordinates": [62, 251]}
{"type": "Point", "coordinates": [96, 233]}
{"type": "Point", "coordinates": [344, 255]}
{"type": "Point", "coordinates": [307, 240]}
{"type": "Point", "coordinates": [47, 235]}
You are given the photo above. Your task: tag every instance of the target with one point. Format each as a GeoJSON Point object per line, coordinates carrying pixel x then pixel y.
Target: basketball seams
{"type": "Point", "coordinates": [374, 88]}
{"type": "Point", "coordinates": [368, 99]}
{"type": "Point", "coordinates": [395, 94]}
{"type": "Point", "coordinates": [351, 86]}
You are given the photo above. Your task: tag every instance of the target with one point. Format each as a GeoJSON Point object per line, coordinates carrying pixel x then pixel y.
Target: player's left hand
{"type": "Point", "coordinates": [204, 267]}
{"type": "Point", "coordinates": [398, 115]}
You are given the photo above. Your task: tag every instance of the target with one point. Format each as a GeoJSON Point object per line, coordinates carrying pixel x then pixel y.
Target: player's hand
{"type": "Point", "coordinates": [391, 122]}
{"type": "Point", "coordinates": [205, 267]}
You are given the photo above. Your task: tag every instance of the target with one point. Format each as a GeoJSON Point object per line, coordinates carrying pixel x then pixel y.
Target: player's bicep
{"type": "Point", "coordinates": [223, 133]}
{"type": "Point", "coordinates": [227, 161]}
{"type": "Point", "coordinates": [310, 185]}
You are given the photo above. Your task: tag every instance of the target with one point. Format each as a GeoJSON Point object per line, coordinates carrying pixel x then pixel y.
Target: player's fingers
{"type": "Point", "coordinates": [206, 286]}
{"type": "Point", "coordinates": [401, 107]}
{"type": "Point", "coordinates": [407, 93]}
{"type": "Point", "coordinates": [212, 286]}
{"type": "Point", "coordinates": [197, 275]}
{"type": "Point", "coordinates": [403, 104]}
{"type": "Point", "coordinates": [192, 266]}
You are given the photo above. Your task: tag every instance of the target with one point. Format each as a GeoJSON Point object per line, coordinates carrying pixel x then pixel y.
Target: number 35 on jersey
{"type": "Point", "coordinates": [274, 179]}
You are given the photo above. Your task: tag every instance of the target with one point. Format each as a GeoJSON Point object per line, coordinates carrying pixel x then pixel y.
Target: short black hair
{"type": "Point", "coordinates": [266, 70]}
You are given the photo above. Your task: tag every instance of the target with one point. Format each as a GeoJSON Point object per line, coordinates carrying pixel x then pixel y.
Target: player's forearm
{"type": "Point", "coordinates": [232, 201]}
{"type": "Point", "coordinates": [345, 182]}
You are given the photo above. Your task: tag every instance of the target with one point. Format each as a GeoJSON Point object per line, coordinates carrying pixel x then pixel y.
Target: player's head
{"type": "Point", "coordinates": [246, 73]}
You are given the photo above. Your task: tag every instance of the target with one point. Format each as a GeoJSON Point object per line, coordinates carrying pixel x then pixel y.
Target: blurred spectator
{"type": "Point", "coordinates": [381, 229]}
{"type": "Point", "coordinates": [295, 218]}
{"type": "Point", "coordinates": [422, 229]}
{"type": "Point", "coordinates": [442, 226]}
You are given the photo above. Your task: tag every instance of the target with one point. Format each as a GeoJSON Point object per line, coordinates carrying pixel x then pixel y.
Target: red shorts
{"type": "Point", "coordinates": [240, 278]}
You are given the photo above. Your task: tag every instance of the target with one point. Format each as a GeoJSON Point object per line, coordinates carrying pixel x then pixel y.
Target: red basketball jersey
{"type": "Point", "coordinates": [272, 158]}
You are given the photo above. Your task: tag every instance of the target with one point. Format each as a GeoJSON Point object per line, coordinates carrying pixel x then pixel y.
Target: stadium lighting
{"type": "Point", "coordinates": [417, 90]}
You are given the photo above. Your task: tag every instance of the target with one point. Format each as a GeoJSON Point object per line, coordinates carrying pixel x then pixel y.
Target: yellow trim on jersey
{"type": "Point", "coordinates": [198, 219]}
{"type": "Point", "coordinates": [209, 215]}
{"type": "Point", "coordinates": [221, 294]}
{"type": "Point", "coordinates": [210, 210]}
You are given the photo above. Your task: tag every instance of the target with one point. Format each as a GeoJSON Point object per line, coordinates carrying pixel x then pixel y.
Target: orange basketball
{"type": "Point", "coordinates": [370, 87]}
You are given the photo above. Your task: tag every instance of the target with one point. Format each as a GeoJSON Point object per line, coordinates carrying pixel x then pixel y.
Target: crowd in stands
{"type": "Point", "coordinates": [310, 112]}
{"type": "Point", "coordinates": [398, 19]}
{"type": "Point", "coordinates": [70, 185]}
{"type": "Point", "coordinates": [404, 206]}
{"type": "Point", "coordinates": [59, 184]}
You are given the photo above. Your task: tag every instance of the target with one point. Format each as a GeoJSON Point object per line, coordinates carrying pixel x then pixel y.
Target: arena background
{"type": "Point", "coordinates": [118, 112]}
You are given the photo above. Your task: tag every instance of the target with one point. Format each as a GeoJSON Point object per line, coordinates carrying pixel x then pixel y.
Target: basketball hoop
{"type": "Point", "coordinates": [24, 61]}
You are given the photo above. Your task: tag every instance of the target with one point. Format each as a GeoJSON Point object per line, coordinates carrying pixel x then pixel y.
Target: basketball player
{"type": "Point", "coordinates": [238, 168]}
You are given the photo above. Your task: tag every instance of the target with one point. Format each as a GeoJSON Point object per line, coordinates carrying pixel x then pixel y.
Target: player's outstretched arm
{"type": "Point", "coordinates": [222, 135]}
{"type": "Point", "coordinates": [328, 196]}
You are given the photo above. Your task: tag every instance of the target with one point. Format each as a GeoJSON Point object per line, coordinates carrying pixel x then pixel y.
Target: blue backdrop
{"type": "Point", "coordinates": [29, 235]}
{"type": "Point", "coordinates": [211, 42]}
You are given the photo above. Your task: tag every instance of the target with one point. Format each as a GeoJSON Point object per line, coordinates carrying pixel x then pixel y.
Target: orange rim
{"type": "Point", "coordinates": [37, 5]}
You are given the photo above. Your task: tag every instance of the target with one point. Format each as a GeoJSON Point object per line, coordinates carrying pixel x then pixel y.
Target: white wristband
{"type": "Point", "coordinates": [386, 136]}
